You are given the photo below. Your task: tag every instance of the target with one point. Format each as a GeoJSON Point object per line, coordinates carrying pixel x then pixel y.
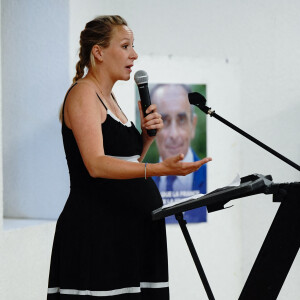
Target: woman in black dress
{"type": "Point", "coordinates": [106, 246]}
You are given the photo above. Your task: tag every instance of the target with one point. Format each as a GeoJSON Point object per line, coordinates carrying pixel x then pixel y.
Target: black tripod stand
{"type": "Point", "coordinates": [281, 243]}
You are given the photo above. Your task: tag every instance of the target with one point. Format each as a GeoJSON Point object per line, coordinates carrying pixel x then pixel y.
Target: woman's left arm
{"type": "Point", "coordinates": [151, 121]}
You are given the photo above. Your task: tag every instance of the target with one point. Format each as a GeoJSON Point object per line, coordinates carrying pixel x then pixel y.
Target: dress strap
{"type": "Point", "coordinates": [101, 101]}
{"type": "Point", "coordinates": [63, 107]}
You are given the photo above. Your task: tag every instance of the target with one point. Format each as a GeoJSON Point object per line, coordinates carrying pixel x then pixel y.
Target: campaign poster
{"type": "Point", "coordinates": [184, 132]}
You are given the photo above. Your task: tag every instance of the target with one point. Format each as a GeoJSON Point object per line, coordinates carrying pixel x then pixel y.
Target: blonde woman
{"type": "Point", "coordinates": [106, 246]}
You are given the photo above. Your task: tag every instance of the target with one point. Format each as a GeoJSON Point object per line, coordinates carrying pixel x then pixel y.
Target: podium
{"type": "Point", "coordinates": [280, 246]}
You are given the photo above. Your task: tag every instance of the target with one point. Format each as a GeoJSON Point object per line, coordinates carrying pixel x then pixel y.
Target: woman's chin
{"type": "Point", "coordinates": [125, 78]}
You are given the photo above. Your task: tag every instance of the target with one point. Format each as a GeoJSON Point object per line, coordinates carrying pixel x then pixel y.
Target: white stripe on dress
{"type": "Point", "coordinates": [128, 290]}
{"type": "Point", "coordinates": [133, 158]}
{"type": "Point", "coordinates": [154, 285]}
{"type": "Point", "coordinates": [128, 124]}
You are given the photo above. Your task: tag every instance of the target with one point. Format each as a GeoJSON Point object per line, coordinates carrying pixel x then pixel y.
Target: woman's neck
{"type": "Point", "coordinates": [103, 82]}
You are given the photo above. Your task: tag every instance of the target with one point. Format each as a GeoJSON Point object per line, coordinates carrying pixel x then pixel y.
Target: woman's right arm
{"type": "Point", "coordinates": [83, 115]}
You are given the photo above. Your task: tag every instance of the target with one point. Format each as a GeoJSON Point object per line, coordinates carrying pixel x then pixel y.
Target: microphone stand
{"type": "Point", "coordinates": [199, 101]}
{"type": "Point", "coordinates": [282, 241]}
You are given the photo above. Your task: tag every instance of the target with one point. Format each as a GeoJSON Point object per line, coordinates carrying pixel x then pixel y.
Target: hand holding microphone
{"type": "Point", "coordinates": [141, 79]}
{"type": "Point", "coordinates": [171, 165]}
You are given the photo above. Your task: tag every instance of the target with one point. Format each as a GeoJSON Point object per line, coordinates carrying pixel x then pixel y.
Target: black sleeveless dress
{"type": "Point", "coordinates": [106, 246]}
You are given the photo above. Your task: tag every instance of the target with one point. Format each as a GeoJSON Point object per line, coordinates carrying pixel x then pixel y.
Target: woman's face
{"type": "Point", "coordinates": [119, 56]}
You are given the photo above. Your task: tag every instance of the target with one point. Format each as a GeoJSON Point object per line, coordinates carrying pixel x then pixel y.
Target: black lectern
{"type": "Point", "coordinates": [280, 246]}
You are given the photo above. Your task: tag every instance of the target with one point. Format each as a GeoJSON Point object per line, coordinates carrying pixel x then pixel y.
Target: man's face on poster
{"type": "Point", "coordinates": [179, 122]}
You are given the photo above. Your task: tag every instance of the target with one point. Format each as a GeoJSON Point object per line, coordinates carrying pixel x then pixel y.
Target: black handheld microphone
{"type": "Point", "coordinates": [141, 79]}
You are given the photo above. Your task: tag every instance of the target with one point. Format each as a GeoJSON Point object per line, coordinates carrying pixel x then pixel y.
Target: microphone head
{"type": "Point", "coordinates": [141, 77]}
{"type": "Point", "coordinates": [197, 99]}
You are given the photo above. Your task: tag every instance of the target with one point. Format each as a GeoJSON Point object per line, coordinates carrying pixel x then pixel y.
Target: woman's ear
{"type": "Point", "coordinates": [97, 52]}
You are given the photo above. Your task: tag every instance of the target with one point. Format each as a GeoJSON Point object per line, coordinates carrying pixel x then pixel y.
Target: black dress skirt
{"type": "Point", "coordinates": [106, 246]}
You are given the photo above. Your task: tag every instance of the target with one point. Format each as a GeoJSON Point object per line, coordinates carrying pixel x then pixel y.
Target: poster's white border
{"type": "Point", "coordinates": [221, 78]}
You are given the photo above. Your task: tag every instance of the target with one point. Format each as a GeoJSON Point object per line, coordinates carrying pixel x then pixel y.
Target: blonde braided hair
{"type": "Point", "coordinates": [96, 32]}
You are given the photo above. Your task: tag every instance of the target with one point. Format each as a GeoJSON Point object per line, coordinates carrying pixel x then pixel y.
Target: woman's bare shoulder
{"type": "Point", "coordinates": [83, 90]}
{"type": "Point", "coordinates": [82, 101]}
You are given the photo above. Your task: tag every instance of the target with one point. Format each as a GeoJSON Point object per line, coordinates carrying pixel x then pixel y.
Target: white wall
{"type": "Point", "coordinates": [261, 39]}
{"type": "Point", "coordinates": [35, 68]}
{"type": "Point", "coordinates": [34, 77]}
{"type": "Point", "coordinates": [1, 169]}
